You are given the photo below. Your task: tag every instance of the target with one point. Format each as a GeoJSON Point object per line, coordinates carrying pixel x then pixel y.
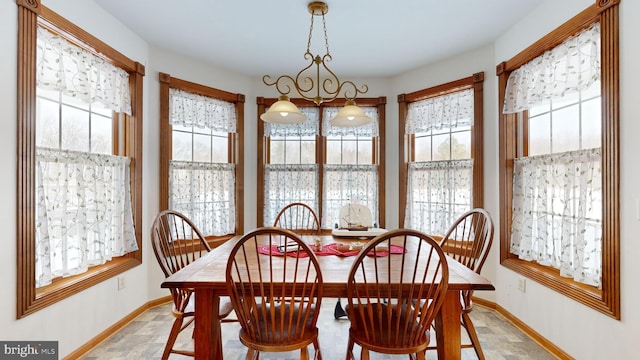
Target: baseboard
{"type": "Point", "coordinates": [526, 329]}
{"type": "Point", "coordinates": [89, 345]}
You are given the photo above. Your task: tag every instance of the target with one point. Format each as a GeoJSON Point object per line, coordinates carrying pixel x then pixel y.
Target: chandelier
{"type": "Point", "coordinates": [319, 86]}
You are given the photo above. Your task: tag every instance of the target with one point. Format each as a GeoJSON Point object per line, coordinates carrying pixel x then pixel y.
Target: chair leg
{"type": "Point", "coordinates": [350, 349]}
{"type": "Point", "coordinates": [338, 312]}
{"type": "Point", "coordinates": [252, 354]}
{"type": "Point", "coordinates": [471, 330]}
{"type": "Point", "coordinates": [304, 353]}
{"type": "Point", "coordinates": [219, 350]}
{"type": "Point", "coordinates": [173, 335]}
{"type": "Point", "coordinates": [317, 353]}
{"type": "Point", "coordinates": [365, 354]}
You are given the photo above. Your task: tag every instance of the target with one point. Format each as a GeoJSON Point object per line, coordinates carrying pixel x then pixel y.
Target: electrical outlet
{"type": "Point", "coordinates": [522, 284]}
{"type": "Point", "coordinates": [121, 283]}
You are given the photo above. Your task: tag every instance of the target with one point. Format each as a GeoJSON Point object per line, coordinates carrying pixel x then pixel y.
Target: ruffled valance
{"type": "Point", "coordinates": [442, 112]}
{"type": "Point", "coordinates": [189, 109]}
{"type": "Point", "coordinates": [570, 67]}
{"type": "Point", "coordinates": [65, 67]}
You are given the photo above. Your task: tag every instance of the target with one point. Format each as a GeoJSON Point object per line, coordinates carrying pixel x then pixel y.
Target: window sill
{"type": "Point", "coordinates": [549, 277]}
{"type": "Point", "coordinates": [63, 288]}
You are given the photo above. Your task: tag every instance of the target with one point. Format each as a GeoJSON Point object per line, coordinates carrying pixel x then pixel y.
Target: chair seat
{"type": "Point", "coordinates": [391, 339]}
{"type": "Point", "coordinates": [225, 308]}
{"type": "Point", "coordinates": [274, 330]}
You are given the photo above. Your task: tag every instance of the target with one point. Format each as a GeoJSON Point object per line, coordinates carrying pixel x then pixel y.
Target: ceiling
{"type": "Point", "coordinates": [367, 38]}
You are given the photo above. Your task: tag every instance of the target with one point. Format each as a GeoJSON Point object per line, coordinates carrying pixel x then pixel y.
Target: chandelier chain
{"type": "Point", "coordinates": [316, 81]}
{"type": "Point", "coordinates": [326, 38]}
{"type": "Point", "coordinates": [310, 34]}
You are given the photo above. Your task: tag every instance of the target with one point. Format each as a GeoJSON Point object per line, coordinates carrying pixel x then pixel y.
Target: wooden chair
{"type": "Point", "coordinates": [257, 284]}
{"type": "Point", "coordinates": [298, 217]}
{"type": "Point", "coordinates": [393, 299]}
{"type": "Point", "coordinates": [468, 241]}
{"type": "Point", "coordinates": [176, 243]}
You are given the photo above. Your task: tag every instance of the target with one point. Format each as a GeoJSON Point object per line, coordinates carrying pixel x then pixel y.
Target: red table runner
{"type": "Point", "coordinates": [329, 249]}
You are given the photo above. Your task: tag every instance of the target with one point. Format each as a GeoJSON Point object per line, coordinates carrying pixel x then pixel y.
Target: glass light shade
{"type": "Point", "coordinates": [283, 111]}
{"type": "Point", "coordinates": [350, 115]}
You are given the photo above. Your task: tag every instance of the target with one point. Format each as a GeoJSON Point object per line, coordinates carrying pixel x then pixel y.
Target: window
{"type": "Point", "coordinates": [559, 160]}
{"type": "Point", "coordinates": [81, 228]}
{"type": "Point", "coordinates": [200, 144]}
{"type": "Point", "coordinates": [441, 174]}
{"type": "Point", "coordinates": [321, 165]}
{"type": "Point", "coordinates": [291, 173]}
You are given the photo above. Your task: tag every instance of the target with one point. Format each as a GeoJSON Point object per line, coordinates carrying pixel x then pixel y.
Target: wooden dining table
{"type": "Point", "coordinates": [207, 277]}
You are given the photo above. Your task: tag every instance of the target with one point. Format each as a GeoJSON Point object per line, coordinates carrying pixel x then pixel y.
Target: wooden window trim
{"type": "Point", "coordinates": [606, 300]}
{"type": "Point", "coordinates": [405, 141]}
{"type": "Point", "coordinates": [378, 151]}
{"type": "Point", "coordinates": [236, 143]}
{"type": "Point", "coordinates": [29, 299]}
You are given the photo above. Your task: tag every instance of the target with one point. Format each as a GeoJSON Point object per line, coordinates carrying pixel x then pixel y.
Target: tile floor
{"type": "Point", "coordinates": [144, 338]}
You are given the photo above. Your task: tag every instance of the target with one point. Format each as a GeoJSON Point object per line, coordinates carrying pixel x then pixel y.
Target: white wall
{"type": "Point", "coordinates": [577, 329]}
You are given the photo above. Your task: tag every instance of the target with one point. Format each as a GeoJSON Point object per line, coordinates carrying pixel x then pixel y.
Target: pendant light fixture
{"type": "Point", "coordinates": [283, 111]}
{"type": "Point", "coordinates": [319, 86]}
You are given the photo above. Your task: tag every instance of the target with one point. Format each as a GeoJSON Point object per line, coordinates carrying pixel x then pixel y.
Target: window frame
{"type": "Point", "coordinates": [406, 141]}
{"type": "Point", "coordinates": [235, 144]}
{"type": "Point", "coordinates": [607, 300]}
{"type": "Point", "coordinates": [378, 151]}
{"type": "Point", "coordinates": [29, 299]}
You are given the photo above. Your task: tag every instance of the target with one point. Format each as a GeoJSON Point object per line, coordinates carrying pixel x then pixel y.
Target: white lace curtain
{"type": "Point", "coordinates": [83, 200]}
{"type": "Point", "coordinates": [310, 127]}
{"type": "Point", "coordinates": [204, 192]}
{"type": "Point", "coordinates": [438, 192]}
{"type": "Point", "coordinates": [367, 130]}
{"type": "Point", "coordinates": [288, 183]}
{"type": "Point", "coordinates": [569, 67]}
{"type": "Point", "coordinates": [83, 215]}
{"type": "Point", "coordinates": [349, 184]}
{"type": "Point", "coordinates": [189, 109]}
{"type": "Point", "coordinates": [65, 67]}
{"type": "Point", "coordinates": [442, 112]}
{"type": "Point", "coordinates": [557, 213]}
